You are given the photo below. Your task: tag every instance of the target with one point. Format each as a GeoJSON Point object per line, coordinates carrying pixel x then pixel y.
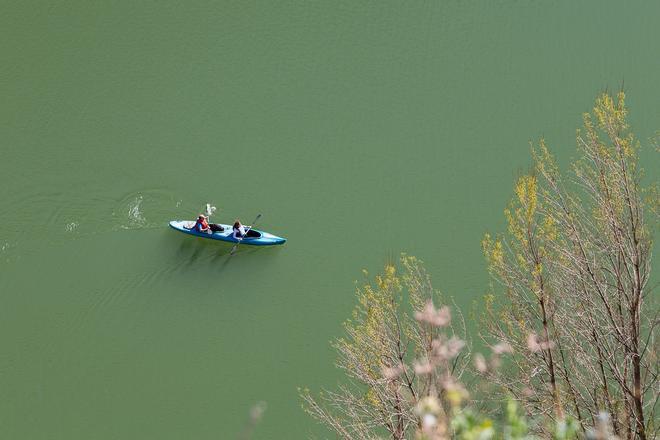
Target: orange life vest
{"type": "Point", "coordinates": [201, 225]}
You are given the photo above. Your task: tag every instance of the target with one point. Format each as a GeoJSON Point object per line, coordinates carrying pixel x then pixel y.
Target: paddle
{"type": "Point", "coordinates": [244, 235]}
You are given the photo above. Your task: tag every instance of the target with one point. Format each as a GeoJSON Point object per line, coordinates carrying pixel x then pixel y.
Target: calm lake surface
{"type": "Point", "coordinates": [359, 129]}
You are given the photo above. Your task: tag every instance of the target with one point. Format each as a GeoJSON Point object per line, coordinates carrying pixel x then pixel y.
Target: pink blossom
{"type": "Point", "coordinates": [502, 348]}
{"type": "Point", "coordinates": [424, 367]}
{"type": "Point", "coordinates": [391, 373]}
{"type": "Point", "coordinates": [535, 344]}
{"type": "Point", "coordinates": [447, 350]}
{"type": "Point", "coordinates": [437, 318]}
{"type": "Point", "coordinates": [480, 363]}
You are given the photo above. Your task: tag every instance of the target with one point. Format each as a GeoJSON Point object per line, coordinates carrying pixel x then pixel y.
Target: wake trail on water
{"type": "Point", "coordinates": [56, 217]}
{"type": "Point", "coordinates": [121, 294]}
{"type": "Point", "coordinates": [137, 291]}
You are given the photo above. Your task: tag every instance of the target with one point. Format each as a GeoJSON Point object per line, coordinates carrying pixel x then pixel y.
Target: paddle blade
{"type": "Point", "coordinates": [233, 250]}
{"type": "Point", "coordinates": [210, 210]}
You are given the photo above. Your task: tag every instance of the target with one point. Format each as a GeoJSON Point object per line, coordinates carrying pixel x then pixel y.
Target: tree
{"type": "Point", "coordinates": [571, 295]}
{"type": "Point", "coordinates": [404, 361]}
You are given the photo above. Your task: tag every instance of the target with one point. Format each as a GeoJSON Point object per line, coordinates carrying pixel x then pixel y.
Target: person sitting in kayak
{"type": "Point", "coordinates": [239, 230]}
{"type": "Point", "coordinates": [202, 225]}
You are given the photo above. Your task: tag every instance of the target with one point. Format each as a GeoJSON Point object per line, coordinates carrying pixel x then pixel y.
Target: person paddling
{"type": "Point", "coordinates": [239, 230]}
{"type": "Point", "coordinates": [202, 224]}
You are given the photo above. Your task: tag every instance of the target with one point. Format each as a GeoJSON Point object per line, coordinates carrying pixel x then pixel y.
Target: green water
{"type": "Point", "coordinates": [358, 129]}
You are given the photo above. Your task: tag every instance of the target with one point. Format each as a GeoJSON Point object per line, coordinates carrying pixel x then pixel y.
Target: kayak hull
{"type": "Point", "coordinates": [264, 238]}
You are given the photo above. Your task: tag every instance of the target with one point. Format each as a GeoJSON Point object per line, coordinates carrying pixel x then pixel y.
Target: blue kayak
{"type": "Point", "coordinates": [254, 237]}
